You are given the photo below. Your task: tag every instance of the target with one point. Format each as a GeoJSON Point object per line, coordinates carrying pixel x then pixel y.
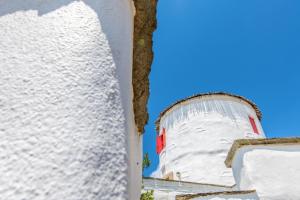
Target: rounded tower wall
{"type": "Point", "coordinates": [199, 133]}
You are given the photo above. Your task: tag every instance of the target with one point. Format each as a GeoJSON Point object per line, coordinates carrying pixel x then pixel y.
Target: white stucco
{"type": "Point", "coordinates": [199, 133]}
{"type": "Point", "coordinates": [168, 189]}
{"type": "Point", "coordinates": [66, 121]}
{"type": "Point", "coordinates": [273, 171]}
{"type": "Point", "coordinates": [251, 196]}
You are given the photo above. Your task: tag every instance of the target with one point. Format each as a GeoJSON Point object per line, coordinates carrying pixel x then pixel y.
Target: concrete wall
{"type": "Point", "coordinates": [273, 171]}
{"type": "Point", "coordinates": [199, 133]}
{"type": "Point", "coordinates": [66, 121]}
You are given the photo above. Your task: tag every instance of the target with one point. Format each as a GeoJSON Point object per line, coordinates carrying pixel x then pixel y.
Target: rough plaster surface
{"type": "Point", "coordinates": [274, 171]}
{"type": "Point", "coordinates": [199, 133]}
{"type": "Point", "coordinates": [65, 95]}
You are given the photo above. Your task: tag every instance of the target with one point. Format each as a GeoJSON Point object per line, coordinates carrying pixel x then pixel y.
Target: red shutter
{"type": "Point", "coordinates": [159, 146]}
{"type": "Point", "coordinates": [253, 124]}
{"type": "Point", "coordinates": [161, 141]}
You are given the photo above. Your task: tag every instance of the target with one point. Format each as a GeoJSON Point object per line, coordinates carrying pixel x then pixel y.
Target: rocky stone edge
{"type": "Point", "coordinates": [144, 26]}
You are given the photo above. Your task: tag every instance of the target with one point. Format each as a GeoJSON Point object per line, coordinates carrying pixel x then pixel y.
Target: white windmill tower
{"type": "Point", "coordinates": [195, 134]}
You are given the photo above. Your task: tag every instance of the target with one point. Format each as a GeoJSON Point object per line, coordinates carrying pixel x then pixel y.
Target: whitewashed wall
{"type": "Point", "coordinates": [167, 189]}
{"type": "Point", "coordinates": [273, 171]}
{"type": "Point", "coordinates": [199, 133]}
{"type": "Point", "coordinates": [66, 122]}
{"type": "Point", "coordinates": [251, 196]}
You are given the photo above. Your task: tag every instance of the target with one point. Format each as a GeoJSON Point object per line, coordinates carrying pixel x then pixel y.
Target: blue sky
{"type": "Point", "coordinates": [249, 48]}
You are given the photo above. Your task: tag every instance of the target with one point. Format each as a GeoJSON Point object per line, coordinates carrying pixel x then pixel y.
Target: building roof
{"type": "Point", "coordinates": [258, 112]}
{"type": "Point", "coordinates": [144, 26]}
{"type": "Point", "coordinates": [253, 142]}
{"type": "Point", "coordinates": [191, 196]}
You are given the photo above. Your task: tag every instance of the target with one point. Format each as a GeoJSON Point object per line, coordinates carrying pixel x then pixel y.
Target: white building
{"type": "Point", "coordinates": [199, 132]}
{"type": "Point", "coordinates": [195, 137]}
{"type": "Point", "coordinates": [269, 166]}
{"type": "Point", "coordinates": [73, 93]}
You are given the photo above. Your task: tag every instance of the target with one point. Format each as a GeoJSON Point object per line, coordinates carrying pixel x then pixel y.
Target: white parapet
{"type": "Point", "coordinates": [66, 119]}
{"type": "Point", "coordinates": [199, 131]}
{"type": "Point", "coordinates": [168, 189]}
{"type": "Point", "coordinates": [233, 195]}
{"type": "Point", "coordinates": [270, 166]}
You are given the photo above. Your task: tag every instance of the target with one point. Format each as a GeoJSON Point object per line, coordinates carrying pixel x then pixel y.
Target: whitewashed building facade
{"type": "Point", "coordinates": [200, 131]}
{"type": "Point", "coordinates": [73, 93]}
{"type": "Point", "coordinates": [212, 146]}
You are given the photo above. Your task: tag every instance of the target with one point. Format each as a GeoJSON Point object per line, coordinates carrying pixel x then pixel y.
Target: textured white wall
{"type": "Point", "coordinates": [273, 171]}
{"type": "Point", "coordinates": [199, 133]}
{"type": "Point", "coordinates": [229, 197]}
{"type": "Point", "coordinates": [65, 100]}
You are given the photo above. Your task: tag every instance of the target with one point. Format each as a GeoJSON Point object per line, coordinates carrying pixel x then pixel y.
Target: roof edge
{"type": "Point", "coordinates": [176, 181]}
{"type": "Point", "coordinates": [256, 142]}
{"type": "Point", "coordinates": [191, 196]}
{"type": "Point", "coordinates": [254, 106]}
{"type": "Point", "coordinates": [144, 26]}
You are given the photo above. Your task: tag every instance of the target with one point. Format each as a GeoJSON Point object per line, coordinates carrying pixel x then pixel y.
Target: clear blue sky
{"type": "Point", "coordinates": [250, 48]}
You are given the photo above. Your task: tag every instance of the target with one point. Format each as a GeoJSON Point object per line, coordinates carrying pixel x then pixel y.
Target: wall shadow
{"type": "Point", "coordinates": [104, 10]}
{"type": "Point", "coordinates": [43, 7]}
